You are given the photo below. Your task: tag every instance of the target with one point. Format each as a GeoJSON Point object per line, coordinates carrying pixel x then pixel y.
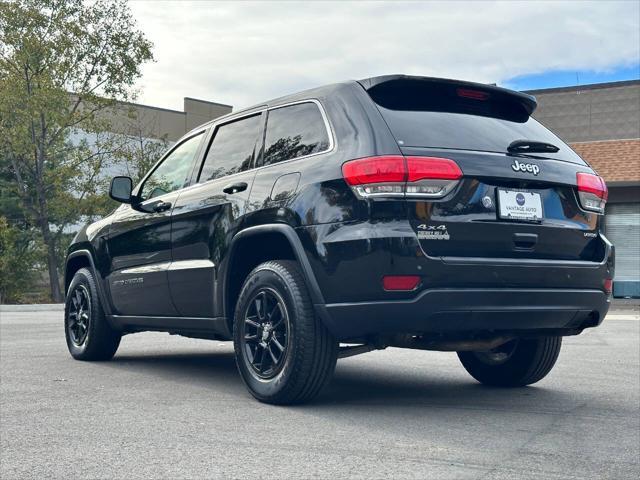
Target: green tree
{"type": "Point", "coordinates": [19, 257]}
{"type": "Point", "coordinates": [63, 65]}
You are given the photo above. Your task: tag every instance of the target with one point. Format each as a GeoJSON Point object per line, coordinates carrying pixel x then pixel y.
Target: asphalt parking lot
{"type": "Point", "coordinates": [171, 407]}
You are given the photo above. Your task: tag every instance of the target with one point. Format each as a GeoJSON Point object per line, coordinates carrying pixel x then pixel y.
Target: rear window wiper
{"type": "Point", "coordinates": [531, 146]}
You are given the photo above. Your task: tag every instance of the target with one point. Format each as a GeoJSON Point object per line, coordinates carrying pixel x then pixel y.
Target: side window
{"type": "Point", "coordinates": [172, 173]}
{"type": "Point", "coordinates": [233, 148]}
{"type": "Point", "coordinates": [294, 131]}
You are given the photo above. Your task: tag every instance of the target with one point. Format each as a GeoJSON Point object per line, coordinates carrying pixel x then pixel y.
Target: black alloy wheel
{"type": "Point", "coordinates": [284, 353]}
{"type": "Point", "coordinates": [498, 355]}
{"type": "Point", "coordinates": [87, 331]}
{"type": "Point", "coordinates": [79, 315]}
{"type": "Point", "coordinates": [265, 335]}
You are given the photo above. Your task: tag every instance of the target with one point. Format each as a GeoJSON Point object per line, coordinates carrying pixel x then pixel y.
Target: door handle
{"type": "Point", "coordinates": [525, 241]}
{"type": "Point", "coordinates": [161, 206]}
{"type": "Point", "coordinates": [235, 188]}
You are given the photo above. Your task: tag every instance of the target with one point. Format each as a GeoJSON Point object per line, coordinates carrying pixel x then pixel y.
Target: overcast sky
{"type": "Point", "coordinates": [244, 52]}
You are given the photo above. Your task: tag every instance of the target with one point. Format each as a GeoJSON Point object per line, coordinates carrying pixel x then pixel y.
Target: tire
{"type": "Point", "coordinates": [516, 364]}
{"type": "Point", "coordinates": [274, 303]}
{"type": "Point", "coordinates": [92, 338]}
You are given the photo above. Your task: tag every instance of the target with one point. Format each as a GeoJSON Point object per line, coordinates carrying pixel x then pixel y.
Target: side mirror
{"type": "Point", "coordinates": [120, 189]}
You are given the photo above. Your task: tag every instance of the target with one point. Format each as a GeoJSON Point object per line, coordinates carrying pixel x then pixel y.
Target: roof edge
{"type": "Point", "coordinates": [208, 102]}
{"type": "Point", "coordinates": [623, 183]}
{"type": "Point", "coordinates": [589, 86]}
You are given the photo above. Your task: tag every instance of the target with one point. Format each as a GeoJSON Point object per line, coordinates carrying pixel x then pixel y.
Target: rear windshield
{"type": "Point", "coordinates": [428, 122]}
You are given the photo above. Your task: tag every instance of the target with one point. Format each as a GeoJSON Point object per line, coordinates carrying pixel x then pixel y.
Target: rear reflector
{"type": "Point", "coordinates": [398, 176]}
{"type": "Point", "coordinates": [400, 282]}
{"type": "Point", "coordinates": [592, 191]}
{"type": "Point", "coordinates": [608, 286]}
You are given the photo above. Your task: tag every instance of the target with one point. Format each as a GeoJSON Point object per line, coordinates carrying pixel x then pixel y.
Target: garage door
{"type": "Point", "coordinates": [623, 229]}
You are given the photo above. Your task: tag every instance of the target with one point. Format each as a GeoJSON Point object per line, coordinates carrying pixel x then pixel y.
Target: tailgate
{"type": "Point", "coordinates": [475, 219]}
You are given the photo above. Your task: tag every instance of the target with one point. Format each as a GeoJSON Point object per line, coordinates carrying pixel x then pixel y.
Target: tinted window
{"type": "Point", "coordinates": [294, 131]}
{"type": "Point", "coordinates": [172, 173]}
{"type": "Point", "coordinates": [446, 114]}
{"type": "Point", "coordinates": [233, 148]}
{"type": "Point", "coordinates": [468, 132]}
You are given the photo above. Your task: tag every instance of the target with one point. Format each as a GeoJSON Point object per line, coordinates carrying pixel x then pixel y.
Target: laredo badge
{"type": "Point", "coordinates": [432, 232]}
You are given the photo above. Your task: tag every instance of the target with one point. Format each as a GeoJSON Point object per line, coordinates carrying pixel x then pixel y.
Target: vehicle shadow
{"type": "Point", "coordinates": [352, 384]}
{"type": "Point", "coordinates": [382, 388]}
{"type": "Point", "coordinates": [216, 369]}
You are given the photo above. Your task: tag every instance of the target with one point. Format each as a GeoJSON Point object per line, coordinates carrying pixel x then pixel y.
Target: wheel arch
{"type": "Point", "coordinates": [255, 245]}
{"type": "Point", "coordinates": [83, 259]}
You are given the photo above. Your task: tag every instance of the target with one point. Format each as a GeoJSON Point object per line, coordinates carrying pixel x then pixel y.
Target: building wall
{"type": "Point", "coordinates": [153, 122]}
{"type": "Point", "coordinates": [602, 124]}
{"type": "Point", "coordinates": [608, 111]}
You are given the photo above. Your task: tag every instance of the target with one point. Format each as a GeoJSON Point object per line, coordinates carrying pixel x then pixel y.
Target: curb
{"type": "Point", "coordinates": [34, 307]}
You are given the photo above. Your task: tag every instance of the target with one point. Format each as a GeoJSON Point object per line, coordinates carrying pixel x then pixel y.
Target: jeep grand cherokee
{"type": "Point", "coordinates": [397, 211]}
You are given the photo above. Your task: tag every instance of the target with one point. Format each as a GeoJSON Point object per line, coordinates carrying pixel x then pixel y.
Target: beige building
{"type": "Point", "coordinates": [155, 123]}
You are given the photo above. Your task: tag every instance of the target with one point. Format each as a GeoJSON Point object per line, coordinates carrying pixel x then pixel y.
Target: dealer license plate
{"type": "Point", "coordinates": [519, 205]}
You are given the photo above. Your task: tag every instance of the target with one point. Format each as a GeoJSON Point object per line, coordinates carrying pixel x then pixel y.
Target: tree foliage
{"type": "Point", "coordinates": [63, 65]}
{"type": "Point", "coordinates": [20, 253]}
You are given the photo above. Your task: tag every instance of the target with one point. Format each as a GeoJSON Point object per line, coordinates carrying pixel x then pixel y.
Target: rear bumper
{"type": "Point", "coordinates": [456, 311]}
{"type": "Point", "coordinates": [456, 294]}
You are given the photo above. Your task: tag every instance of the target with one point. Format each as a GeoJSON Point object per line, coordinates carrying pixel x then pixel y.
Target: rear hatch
{"type": "Point", "coordinates": [517, 192]}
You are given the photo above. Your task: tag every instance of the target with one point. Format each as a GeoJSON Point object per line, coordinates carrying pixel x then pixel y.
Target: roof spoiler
{"type": "Point", "coordinates": [387, 90]}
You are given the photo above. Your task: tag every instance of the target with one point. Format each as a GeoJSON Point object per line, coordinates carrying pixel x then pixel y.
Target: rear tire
{"type": "Point", "coordinates": [89, 335]}
{"type": "Point", "coordinates": [515, 364]}
{"type": "Point", "coordinates": [285, 354]}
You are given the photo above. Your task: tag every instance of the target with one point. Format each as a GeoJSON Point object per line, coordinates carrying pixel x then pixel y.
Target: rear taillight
{"type": "Point", "coordinates": [376, 176]}
{"type": "Point", "coordinates": [431, 176]}
{"type": "Point", "coordinates": [397, 176]}
{"type": "Point", "coordinates": [608, 286]}
{"type": "Point", "coordinates": [592, 191]}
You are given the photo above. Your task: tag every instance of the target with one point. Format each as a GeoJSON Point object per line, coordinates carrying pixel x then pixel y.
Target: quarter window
{"type": "Point", "coordinates": [294, 131]}
{"type": "Point", "coordinates": [172, 173]}
{"type": "Point", "coordinates": [233, 148]}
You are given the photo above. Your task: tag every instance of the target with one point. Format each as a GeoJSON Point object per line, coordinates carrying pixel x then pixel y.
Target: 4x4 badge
{"type": "Point", "coordinates": [525, 167]}
{"type": "Point", "coordinates": [433, 232]}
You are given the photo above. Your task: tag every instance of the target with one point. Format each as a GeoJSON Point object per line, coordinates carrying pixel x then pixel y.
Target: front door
{"type": "Point", "coordinates": [209, 213]}
{"type": "Point", "coordinates": [139, 241]}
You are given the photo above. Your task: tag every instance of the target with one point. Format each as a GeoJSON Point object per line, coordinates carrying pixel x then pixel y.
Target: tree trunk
{"type": "Point", "coordinates": [48, 239]}
{"type": "Point", "coordinates": [52, 262]}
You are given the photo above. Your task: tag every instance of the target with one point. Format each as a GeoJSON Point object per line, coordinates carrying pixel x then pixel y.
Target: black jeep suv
{"type": "Point", "coordinates": [396, 211]}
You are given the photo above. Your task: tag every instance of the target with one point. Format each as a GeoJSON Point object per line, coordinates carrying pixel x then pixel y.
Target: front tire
{"type": "Point", "coordinates": [515, 364]}
{"type": "Point", "coordinates": [89, 335]}
{"type": "Point", "coordinates": [285, 354]}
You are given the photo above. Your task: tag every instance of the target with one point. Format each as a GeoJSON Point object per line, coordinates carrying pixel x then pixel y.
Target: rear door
{"type": "Point", "coordinates": [511, 204]}
{"type": "Point", "coordinates": [208, 214]}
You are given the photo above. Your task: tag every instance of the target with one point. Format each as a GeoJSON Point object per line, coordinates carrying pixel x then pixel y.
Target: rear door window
{"type": "Point", "coordinates": [233, 148]}
{"type": "Point", "coordinates": [294, 131]}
